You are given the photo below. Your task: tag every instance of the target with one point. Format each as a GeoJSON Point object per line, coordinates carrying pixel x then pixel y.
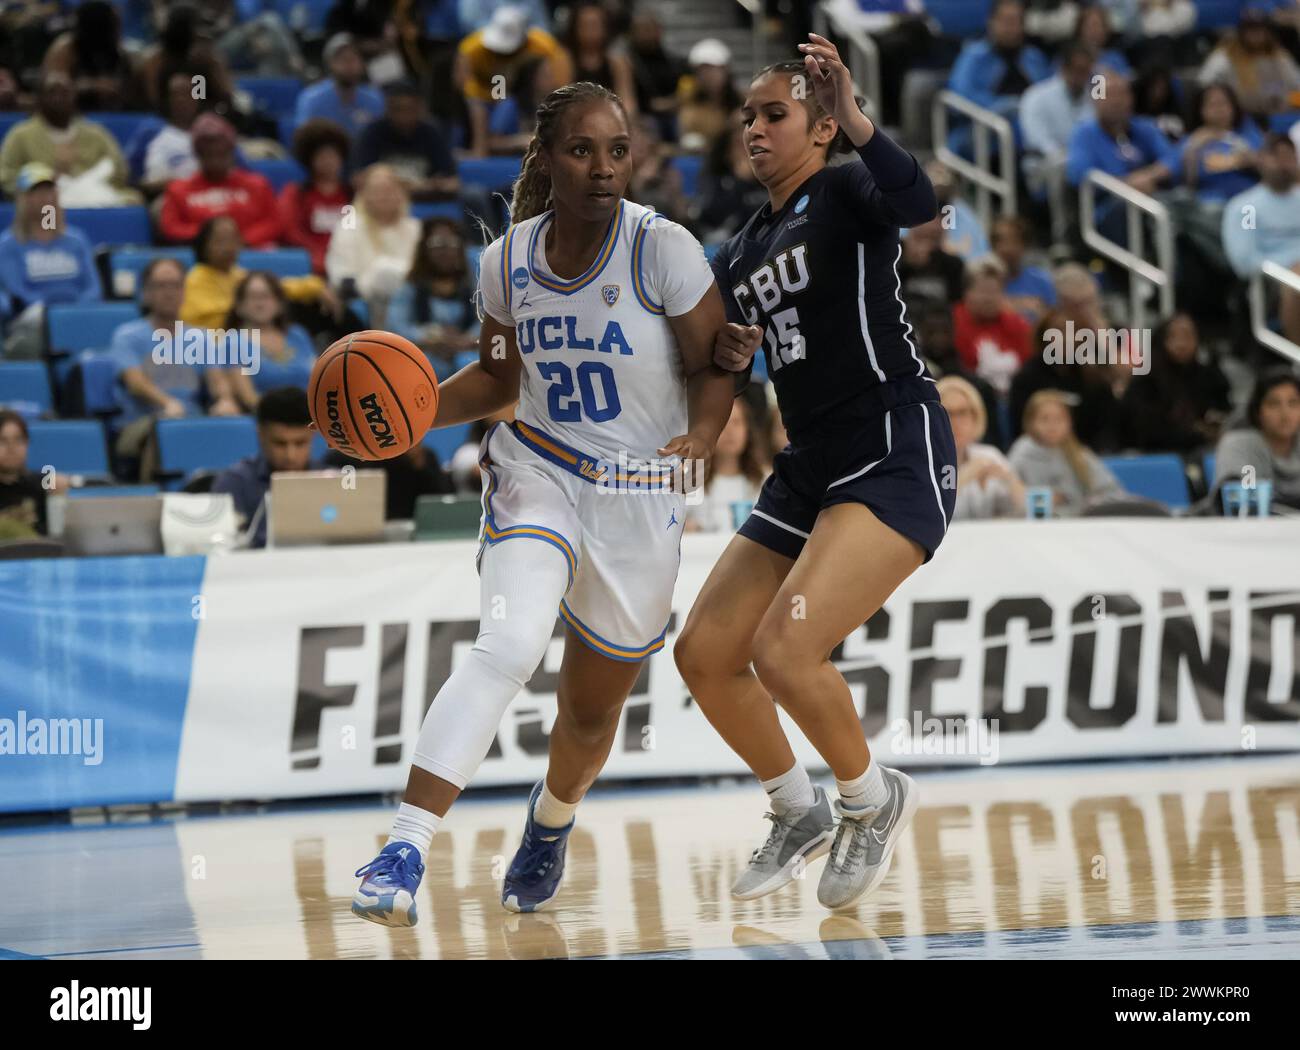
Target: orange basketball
{"type": "Point", "coordinates": [373, 395]}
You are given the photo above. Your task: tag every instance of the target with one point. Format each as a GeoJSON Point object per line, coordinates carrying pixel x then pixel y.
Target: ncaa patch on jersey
{"type": "Point", "coordinates": [801, 204]}
{"type": "Point", "coordinates": [520, 277]}
{"type": "Point", "coordinates": [609, 292]}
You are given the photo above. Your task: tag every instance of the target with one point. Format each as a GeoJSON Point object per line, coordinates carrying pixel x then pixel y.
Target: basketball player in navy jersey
{"type": "Point", "coordinates": [859, 499]}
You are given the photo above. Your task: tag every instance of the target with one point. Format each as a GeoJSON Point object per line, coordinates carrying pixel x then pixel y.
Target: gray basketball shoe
{"type": "Point", "coordinates": [864, 842]}
{"type": "Point", "coordinates": [796, 839]}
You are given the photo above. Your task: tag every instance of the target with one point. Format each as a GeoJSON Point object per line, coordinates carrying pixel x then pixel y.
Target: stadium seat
{"type": "Point", "coordinates": [273, 95]}
{"type": "Point", "coordinates": [1283, 122]}
{"type": "Point", "coordinates": [110, 226]}
{"type": "Point", "coordinates": [475, 253]}
{"type": "Point", "coordinates": [95, 375]}
{"type": "Point", "coordinates": [966, 18]}
{"type": "Point", "coordinates": [74, 327]}
{"type": "Point", "coordinates": [126, 264]}
{"type": "Point", "coordinates": [447, 517]}
{"type": "Point", "coordinates": [25, 387]}
{"type": "Point", "coordinates": [1159, 477]}
{"type": "Point", "coordinates": [70, 446]}
{"type": "Point", "coordinates": [278, 172]}
{"type": "Point", "coordinates": [1208, 465]}
{"type": "Point", "coordinates": [9, 118]}
{"type": "Point", "coordinates": [283, 262]}
{"type": "Point", "coordinates": [710, 250]}
{"type": "Point", "coordinates": [1218, 14]}
{"type": "Point", "coordinates": [122, 126]}
{"type": "Point", "coordinates": [205, 443]}
{"type": "Point", "coordinates": [446, 440]}
{"type": "Point", "coordinates": [446, 209]}
{"type": "Point", "coordinates": [465, 357]}
{"type": "Point", "coordinates": [491, 172]}
{"type": "Point", "coordinates": [688, 166]}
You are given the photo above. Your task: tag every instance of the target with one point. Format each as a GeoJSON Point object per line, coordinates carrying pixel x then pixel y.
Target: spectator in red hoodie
{"type": "Point", "coordinates": [310, 211]}
{"type": "Point", "coordinates": [992, 339]}
{"type": "Point", "coordinates": [219, 188]}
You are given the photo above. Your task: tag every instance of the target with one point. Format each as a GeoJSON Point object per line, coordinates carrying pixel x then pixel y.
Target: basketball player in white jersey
{"type": "Point", "coordinates": [600, 317]}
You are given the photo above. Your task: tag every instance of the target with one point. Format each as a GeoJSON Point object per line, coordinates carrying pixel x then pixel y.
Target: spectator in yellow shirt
{"type": "Point", "coordinates": [497, 60]}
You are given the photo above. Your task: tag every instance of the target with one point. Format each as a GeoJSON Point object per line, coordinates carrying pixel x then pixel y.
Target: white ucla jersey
{"type": "Point", "coordinates": [602, 371]}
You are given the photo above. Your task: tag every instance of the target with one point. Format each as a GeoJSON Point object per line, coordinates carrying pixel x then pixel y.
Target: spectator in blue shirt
{"type": "Point", "coordinates": [42, 258]}
{"type": "Point", "coordinates": [1218, 158]}
{"type": "Point", "coordinates": [156, 379]}
{"type": "Point", "coordinates": [260, 312]}
{"type": "Point", "coordinates": [342, 97]}
{"type": "Point", "coordinates": [995, 71]}
{"type": "Point", "coordinates": [1029, 289]}
{"type": "Point", "coordinates": [284, 443]}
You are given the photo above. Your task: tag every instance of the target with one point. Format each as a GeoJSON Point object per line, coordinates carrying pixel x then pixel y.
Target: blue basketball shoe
{"type": "Point", "coordinates": [534, 876]}
{"type": "Point", "coordinates": [389, 882]}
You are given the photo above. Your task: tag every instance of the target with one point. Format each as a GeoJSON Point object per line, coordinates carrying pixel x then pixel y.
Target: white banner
{"type": "Point", "coordinates": [1020, 641]}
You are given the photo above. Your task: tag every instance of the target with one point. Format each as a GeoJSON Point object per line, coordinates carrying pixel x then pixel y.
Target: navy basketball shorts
{"type": "Point", "coordinates": [900, 463]}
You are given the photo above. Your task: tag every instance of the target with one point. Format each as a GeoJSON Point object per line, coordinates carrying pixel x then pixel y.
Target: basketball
{"type": "Point", "coordinates": [373, 395]}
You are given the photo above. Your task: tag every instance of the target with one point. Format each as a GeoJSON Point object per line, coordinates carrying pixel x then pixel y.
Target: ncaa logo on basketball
{"type": "Point", "coordinates": [520, 277]}
{"type": "Point", "coordinates": [609, 292]}
{"type": "Point", "coordinates": [377, 421]}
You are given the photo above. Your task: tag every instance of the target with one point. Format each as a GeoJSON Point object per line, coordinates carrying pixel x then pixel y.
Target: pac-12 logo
{"type": "Point", "coordinates": [520, 277]}
{"type": "Point", "coordinates": [610, 293]}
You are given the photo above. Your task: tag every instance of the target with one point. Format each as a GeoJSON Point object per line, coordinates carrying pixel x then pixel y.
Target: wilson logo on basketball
{"type": "Point", "coordinates": [337, 435]}
{"type": "Point", "coordinates": [377, 422]}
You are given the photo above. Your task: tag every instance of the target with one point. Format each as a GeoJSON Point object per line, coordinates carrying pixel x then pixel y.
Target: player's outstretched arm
{"type": "Point", "coordinates": [709, 389]}
{"type": "Point", "coordinates": [488, 385]}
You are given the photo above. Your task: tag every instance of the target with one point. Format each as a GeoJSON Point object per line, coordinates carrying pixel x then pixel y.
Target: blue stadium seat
{"type": "Point", "coordinates": [1208, 464]}
{"type": "Point", "coordinates": [1158, 477]}
{"type": "Point", "coordinates": [304, 17]}
{"type": "Point", "coordinates": [492, 172]}
{"type": "Point", "coordinates": [71, 446]}
{"type": "Point", "coordinates": [99, 390]}
{"type": "Point", "coordinates": [474, 253]}
{"type": "Point", "coordinates": [122, 126]}
{"type": "Point", "coordinates": [446, 440]}
{"type": "Point", "coordinates": [74, 327]}
{"type": "Point", "coordinates": [283, 262]}
{"type": "Point", "coordinates": [1218, 14]}
{"type": "Point", "coordinates": [465, 357]}
{"type": "Point", "coordinates": [111, 226]}
{"type": "Point", "coordinates": [278, 172]}
{"type": "Point", "coordinates": [126, 264]}
{"type": "Point", "coordinates": [112, 491]}
{"type": "Point", "coordinates": [710, 250]}
{"type": "Point", "coordinates": [274, 95]}
{"type": "Point", "coordinates": [25, 387]}
{"type": "Point", "coordinates": [689, 167]}
{"type": "Point", "coordinates": [205, 443]}
{"type": "Point", "coordinates": [10, 117]}
{"type": "Point", "coordinates": [966, 18]}
{"type": "Point", "coordinates": [1283, 122]}
{"type": "Point", "coordinates": [445, 209]}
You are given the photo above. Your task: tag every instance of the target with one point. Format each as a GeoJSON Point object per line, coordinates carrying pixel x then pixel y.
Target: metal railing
{"type": "Point", "coordinates": [1259, 312]}
{"type": "Point", "coordinates": [864, 54]}
{"type": "Point", "coordinates": [985, 123]}
{"type": "Point", "coordinates": [1141, 272]}
{"type": "Point", "coordinates": [757, 16]}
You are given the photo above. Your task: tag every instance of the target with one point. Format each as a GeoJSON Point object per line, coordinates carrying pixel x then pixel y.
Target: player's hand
{"type": "Point", "coordinates": [735, 345]}
{"type": "Point", "coordinates": [831, 81]}
{"type": "Point", "coordinates": [695, 454]}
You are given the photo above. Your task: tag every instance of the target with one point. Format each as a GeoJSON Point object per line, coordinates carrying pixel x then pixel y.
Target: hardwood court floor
{"type": "Point", "coordinates": [1149, 859]}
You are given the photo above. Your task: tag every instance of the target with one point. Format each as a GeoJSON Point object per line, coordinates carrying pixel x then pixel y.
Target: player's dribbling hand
{"type": "Point", "coordinates": [694, 453]}
{"type": "Point", "coordinates": [735, 345]}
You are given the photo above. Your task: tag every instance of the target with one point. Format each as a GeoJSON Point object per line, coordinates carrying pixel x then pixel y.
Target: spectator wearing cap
{"type": "Point", "coordinates": [596, 56]}
{"type": "Point", "coordinates": [655, 72]}
{"type": "Point", "coordinates": [1259, 69]}
{"type": "Point", "coordinates": [341, 97]}
{"type": "Point", "coordinates": [284, 445]}
{"type": "Point", "coordinates": [409, 142]}
{"type": "Point", "coordinates": [310, 211]}
{"type": "Point", "coordinates": [219, 188]}
{"type": "Point", "coordinates": [707, 97]}
{"type": "Point", "coordinates": [42, 258]}
{"type": "Point", "coordinates": [506, 47]}
{"type": "Point", "coordinates": [476, 14]}
{"type": "Point", "coordinates": [73, 147]}
{"type": "Point", "coordinates": [1273, 234]}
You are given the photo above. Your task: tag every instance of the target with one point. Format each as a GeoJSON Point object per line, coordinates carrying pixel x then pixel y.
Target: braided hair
{"type": "Point", "coordinates": [532, 189]}
{"type": "Point", "coordinates": [795, 68]}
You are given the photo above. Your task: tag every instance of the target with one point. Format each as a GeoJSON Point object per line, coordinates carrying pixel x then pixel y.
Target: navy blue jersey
{"type": "Point", "coordinates": [820, 275]}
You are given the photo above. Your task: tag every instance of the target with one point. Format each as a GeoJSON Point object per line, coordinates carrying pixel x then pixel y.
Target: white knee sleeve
{"type": "Point", "coordinates": [521, 582]}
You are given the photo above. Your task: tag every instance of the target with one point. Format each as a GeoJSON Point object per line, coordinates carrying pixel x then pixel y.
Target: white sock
{"type": "Point", "coordinates": [416, 826]}
{"type": "Point", "coordinates": [550, 812]}
{"type": "Point", "coordinates": [865, 791]}
{"type": "Point", "coordinates": [791, 790]}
